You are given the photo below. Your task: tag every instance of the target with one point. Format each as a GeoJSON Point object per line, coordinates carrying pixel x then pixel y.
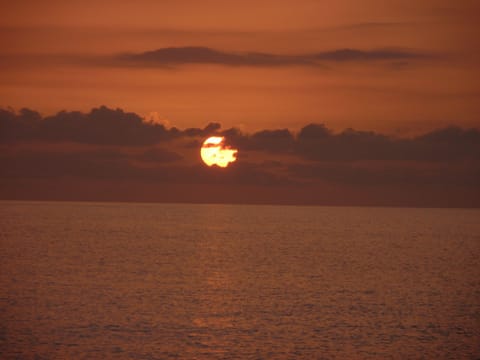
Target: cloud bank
{"type": "Point", "coordinates": [113, 145]}
{"type": "Point", "coordinates": [104, 126]}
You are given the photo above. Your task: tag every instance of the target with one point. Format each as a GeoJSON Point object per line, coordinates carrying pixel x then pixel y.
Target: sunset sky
{"type": "Point", "coordinates": [137, 84]}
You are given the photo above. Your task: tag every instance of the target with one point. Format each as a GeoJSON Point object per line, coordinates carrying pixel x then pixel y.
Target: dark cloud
{"type": "Point", "coordinates": [401, 174]}
{"type": "Point", "coordinates": [101, 125]}
{"type": "Point", "coordinates": [163, 167]}
{"type": "Point", "coordinates": [210, 129]}
{"type": "Point", "coordinates": [103, 163]}
{"type": "Point", "coordinates": [447, 157]}
{"type": "Point", "coordinates": [316, 142]}
{"type": "Point", "coordinates": [314, 132]}
{"type": "Point", "coordinates": [203, 55]}
{"type": "Point", "coordinates": [117, 146]}
{"type": "Point", "coordinates": [158, 155]}
{"type": "Point", "coordinates": [452, 136]}
{"type": "Point", "coordinates": [272, 140]}
{"type": "Point", "coordinates": [360, 55]}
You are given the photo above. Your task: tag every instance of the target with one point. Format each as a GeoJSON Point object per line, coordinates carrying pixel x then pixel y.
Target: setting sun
{"type": "Point", "coordinates": [215, 152]}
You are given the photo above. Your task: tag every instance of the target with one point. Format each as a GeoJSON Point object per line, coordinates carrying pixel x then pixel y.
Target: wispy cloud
{"type": "Point", "coordinates": [170, 57]}
{"type": "Point", "coordinates": [173, 56]}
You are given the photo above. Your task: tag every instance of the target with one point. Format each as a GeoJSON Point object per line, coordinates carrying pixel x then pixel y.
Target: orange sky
{"type": "Point", "coordinates": [52, 59]}
{"type": "Point", "coordinates": [402, 74]}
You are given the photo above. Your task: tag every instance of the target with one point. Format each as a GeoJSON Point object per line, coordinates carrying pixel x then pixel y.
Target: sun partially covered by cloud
{"type": "Point", "coordinates": [214, 151]}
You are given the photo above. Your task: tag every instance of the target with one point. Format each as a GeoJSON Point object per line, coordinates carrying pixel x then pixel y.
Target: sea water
{"type": "Point", "coordinates": [85, 280]}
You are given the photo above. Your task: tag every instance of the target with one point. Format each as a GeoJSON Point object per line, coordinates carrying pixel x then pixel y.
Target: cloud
{"type": "Point", "coordinates": [280, 140]}
{"type": "Point", "coordinates": [316, 142]}
{"type": "Point", "coordinates": [343, 55]}
{"type": "Point", "coordinates": [114, 145]}
{"type": "Point", "coordinates": [158, 155]}
{"type": "Point", "coordinates": [211, 128]}
{"type": "Point", "coordinates": [373, 174]}
{"type": "Point", "coordinates": [103, 163]}
{"type": "Point", "coordinates": [173, 56]}
{"type": "Point", "coordinates": [101, 125]}
{"type": "Point", "coordinates": [152, 165]}
{"type": "Point", "coordinates": [204, 55]}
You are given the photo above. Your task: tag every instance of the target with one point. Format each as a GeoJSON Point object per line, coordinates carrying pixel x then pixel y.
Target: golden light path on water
{"type": "Point", "coordinates": [215, 152]}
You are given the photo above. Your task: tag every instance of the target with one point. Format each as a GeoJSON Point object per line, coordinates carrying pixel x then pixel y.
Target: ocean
{"type": "Point", "coordinates": [82, 280]}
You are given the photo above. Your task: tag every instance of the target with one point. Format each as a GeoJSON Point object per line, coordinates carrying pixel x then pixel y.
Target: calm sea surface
{"type": "Point", "coordinates": [156, 281]}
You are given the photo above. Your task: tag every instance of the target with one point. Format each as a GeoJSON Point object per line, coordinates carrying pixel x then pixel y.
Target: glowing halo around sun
{"type": "Point", "coordinates": [215, 152]}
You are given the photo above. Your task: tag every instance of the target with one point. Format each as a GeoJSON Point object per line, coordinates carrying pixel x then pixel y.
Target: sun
{"type": "Point", "coordinates": [215, 152]}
